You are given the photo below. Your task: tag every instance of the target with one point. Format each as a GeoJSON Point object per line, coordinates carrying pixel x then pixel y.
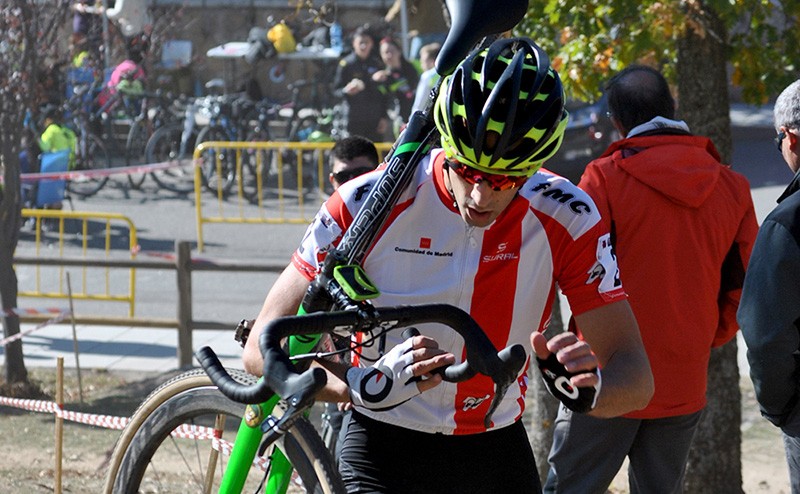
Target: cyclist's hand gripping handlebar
{"type": "Point", "coordinates": [281, 375]}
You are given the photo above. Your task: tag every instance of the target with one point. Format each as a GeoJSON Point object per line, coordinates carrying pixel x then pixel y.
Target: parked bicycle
{"type": "Point", "coordinates": [159, 109]}
{"type": "Point", "coordinates": [173, 145]}
{"type": "Point", "coordinates": [90, 153]}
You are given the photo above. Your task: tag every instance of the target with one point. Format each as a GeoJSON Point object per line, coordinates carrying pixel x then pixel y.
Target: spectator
{"type": "Point", "coordinates": [682, 226]}
{"type": "Point", "coordinates": [397, 80]}
{"type": "Point", "coordinates": [55, 137]}
{"type": "Point", "coordinates": [128, 77]}
{"type": "Point", "coordinates": [769, 313]}
{"type": "Point", "coordinates": [351, 157]}
{"type": "Point", "coordinates": [477, 227]}
{"type": "Point", "coordinates": [427, 22]}
{"type": "Point", "coordinates": [86, 24]}
{"type": "Point", "coordinates": [427, 59]}
{"type": "Point", "coordinates": [366, 114]}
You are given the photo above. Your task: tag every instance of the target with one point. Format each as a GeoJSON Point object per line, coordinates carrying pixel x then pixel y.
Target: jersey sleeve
{"type": "Point", "coordinates": [322, 234]}
{"type": "Point", "coordinates": [590, 277]}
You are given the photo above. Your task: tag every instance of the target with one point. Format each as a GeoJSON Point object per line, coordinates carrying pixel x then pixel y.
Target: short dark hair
{"type": "Point", "coordinates": [637, 95]}
{"type": "Point", "coordinates": [352, 147]}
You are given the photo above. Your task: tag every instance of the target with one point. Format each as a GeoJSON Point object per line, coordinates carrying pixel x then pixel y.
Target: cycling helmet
{"type": "Point", "coordinates": [502, 109]}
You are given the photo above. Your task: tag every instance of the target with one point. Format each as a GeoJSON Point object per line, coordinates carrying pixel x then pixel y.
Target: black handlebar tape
{"type": "Point", "coordinates": [236, 391]}
{"type": "Point", "coordinates": [482, 357]}
{"type": "Point", "coordinates": [513, 357]}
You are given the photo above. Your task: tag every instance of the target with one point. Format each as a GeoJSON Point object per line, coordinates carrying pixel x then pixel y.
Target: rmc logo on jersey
{"type": "Point", "coordinates": [501, 254]}
{"type": "Point", "coordinates": [577, 206]}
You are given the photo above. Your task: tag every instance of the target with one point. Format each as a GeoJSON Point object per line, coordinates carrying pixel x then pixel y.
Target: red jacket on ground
{"type": "Point", "coordinates": [683, 226]}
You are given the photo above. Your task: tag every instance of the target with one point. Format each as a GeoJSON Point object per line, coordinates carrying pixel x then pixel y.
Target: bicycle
{"type": "Point", "coordinates": [158, 110]}
{"type": "Point", "coordinates": [311, 121]}
{"type": "Point", "coordinates": [173, 143]}
{"type": "Point", "coordinates": [235, 118]}
{"type": "Point", "coordinates": [341, 284]}
{"type": "Point", "coordinates": [90, 152]}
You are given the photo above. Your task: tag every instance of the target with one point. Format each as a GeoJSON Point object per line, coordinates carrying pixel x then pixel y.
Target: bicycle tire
{"type": "Point", "coordinates": [91, 155]}
{"type": "Point", "coordinates": [165, 145]}
{"type": "Point", "coordinates": [135, 146]}
{"type": "Point", "coordinates": [184, 399]}
{"type": "Point", "coordinates": [208, 166]}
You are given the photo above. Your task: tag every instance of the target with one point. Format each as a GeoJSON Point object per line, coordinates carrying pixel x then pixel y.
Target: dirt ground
{"type": "Point", "coordinates": [27, 439]}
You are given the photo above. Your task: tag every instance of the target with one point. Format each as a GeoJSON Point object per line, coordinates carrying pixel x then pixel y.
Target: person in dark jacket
{"type": "Point", "coordinates": [366, 112]}
{"type": "Point", "coordinates": [769, 313]}
{"type": "Point", "coordinates": [398, 79]}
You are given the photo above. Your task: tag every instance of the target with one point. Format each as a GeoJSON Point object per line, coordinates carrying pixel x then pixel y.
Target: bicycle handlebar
{"type": "Point", "coordinates": [281, 376]}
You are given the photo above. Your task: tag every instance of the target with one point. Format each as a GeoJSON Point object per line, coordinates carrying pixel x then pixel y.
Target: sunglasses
{"type": "Point", "coordinates": [473, 176]}
{"type": "Point", "coordinates": [779, 140]}
{"type": "Point", "coordinates": [346, 175]}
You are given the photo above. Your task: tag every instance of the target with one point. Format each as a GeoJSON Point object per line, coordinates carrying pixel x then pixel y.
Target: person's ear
{"type": "Point", "coordinates": [617, 125]}
{"type": "Point", "coordinates": [793, 138]}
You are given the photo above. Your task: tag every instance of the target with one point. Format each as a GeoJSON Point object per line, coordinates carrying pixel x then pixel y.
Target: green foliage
{"type": "Point", "coordinates": [590, 40]}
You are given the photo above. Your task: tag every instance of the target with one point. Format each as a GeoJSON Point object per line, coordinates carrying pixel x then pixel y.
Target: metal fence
{"type": "Point", "coordinates": [57, 231]}
{"type": "Point", "coordinates": [275, 182]}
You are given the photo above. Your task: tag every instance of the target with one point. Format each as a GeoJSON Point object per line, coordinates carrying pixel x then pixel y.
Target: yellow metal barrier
{"type": "Point", "coordinates": [276, 182]}
{"type": "Point", "coordinates": [54, 278]}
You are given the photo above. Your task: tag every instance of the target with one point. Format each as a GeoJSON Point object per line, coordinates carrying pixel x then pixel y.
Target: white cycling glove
{"type": "Point", "coordinates": [387, 383]}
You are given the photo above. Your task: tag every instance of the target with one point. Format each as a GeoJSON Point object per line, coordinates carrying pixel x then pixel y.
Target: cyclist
{"type": "Point", "coordinates": [353, 83]}
{"type": "Point", "coordinates": [482, 228]}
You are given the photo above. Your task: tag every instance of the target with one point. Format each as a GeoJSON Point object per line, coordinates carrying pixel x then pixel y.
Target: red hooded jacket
{"type": "Point", "coordinates": [683, 225]}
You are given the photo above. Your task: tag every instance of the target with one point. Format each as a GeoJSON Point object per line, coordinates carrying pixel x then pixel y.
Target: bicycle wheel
{"type": "Point", "coordinates": [135, 151]}
{"type": "Point", "coordinates": [91, 155]}
{"type": "Point", "coordinates": [147, 458]}
{"type": "Point", "coordinates": [165, 146]}
{"type": "Point", "coordinates": [218, 166]}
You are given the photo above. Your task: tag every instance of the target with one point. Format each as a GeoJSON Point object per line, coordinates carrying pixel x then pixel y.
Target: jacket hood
{"type": "Point", "coordinates": [684, 168]}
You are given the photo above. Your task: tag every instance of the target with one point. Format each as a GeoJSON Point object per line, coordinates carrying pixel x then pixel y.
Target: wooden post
{"type": "Point", "coordinates": [59, 423]}
{"type": "Point", "coordinates": [183, 262]}
{"type": "Point", "coordinates": [74, 338]}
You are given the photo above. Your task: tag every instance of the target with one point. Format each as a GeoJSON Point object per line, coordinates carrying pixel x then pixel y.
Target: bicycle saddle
{"type": "Point", "coordinates": [471, 21]}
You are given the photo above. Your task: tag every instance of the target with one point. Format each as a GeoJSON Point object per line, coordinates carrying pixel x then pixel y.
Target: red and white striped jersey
{"type": "Point", "coordinates": [504, 275]}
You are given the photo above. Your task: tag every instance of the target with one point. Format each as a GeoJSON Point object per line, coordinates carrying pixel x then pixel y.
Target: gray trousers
{"type": "Point", "coordinates": [588, 452]}
{"type": "Point", "coordinates": [792, 446]}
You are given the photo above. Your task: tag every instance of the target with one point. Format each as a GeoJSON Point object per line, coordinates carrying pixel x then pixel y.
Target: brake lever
{"type": "Point", "coordinates": [273, 428]}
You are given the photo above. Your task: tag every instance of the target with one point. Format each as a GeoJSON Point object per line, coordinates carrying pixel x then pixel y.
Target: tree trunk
{"type": "Point", "coordinates": [23, 37]}
{"type": "Point", "coordinates": [714, 463]}
{"type": "Point", "coordinates": [543, 405]}
{"type": "Point", "coordinates": [9, 234]}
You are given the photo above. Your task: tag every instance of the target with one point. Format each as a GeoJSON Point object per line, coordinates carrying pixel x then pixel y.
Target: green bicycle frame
{"type": "Point", "coordinates": [249, 436]}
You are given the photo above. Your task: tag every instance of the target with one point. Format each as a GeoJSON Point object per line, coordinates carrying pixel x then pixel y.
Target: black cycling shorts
{"type": "Point", "coordinates": [378, 457]}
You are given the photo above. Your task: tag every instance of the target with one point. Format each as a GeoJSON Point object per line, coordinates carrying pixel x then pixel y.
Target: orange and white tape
{"type": "Point", "coordinates": [61, 314]}
{"type": "Point", "coordinates": [103, 172]}
{"type": "Point", "coordinates": [185, 431]}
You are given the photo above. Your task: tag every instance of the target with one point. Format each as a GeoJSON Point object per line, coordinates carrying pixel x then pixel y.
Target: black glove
{"type": "Point", "coordinates": [556, 378]}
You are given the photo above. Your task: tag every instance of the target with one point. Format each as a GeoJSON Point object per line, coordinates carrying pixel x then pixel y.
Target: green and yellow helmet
{"type": "Point", "coordinates": [502, 109]}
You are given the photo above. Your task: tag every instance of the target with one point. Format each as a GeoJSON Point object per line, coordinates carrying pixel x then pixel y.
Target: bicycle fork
{"type": "Point", "coordinates": [248, 440]}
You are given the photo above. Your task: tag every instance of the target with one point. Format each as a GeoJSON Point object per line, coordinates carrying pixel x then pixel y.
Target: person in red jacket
{"type": "Point", "coordinates": [682, 226]}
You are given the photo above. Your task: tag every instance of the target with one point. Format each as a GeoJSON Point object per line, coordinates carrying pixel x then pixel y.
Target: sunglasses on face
{"type": "Point", "coordinates": [345, 175]}
{"type": "Point", "coordinates": [494, 181]}
{"type": "Point", "coordinates": [779, 140]}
